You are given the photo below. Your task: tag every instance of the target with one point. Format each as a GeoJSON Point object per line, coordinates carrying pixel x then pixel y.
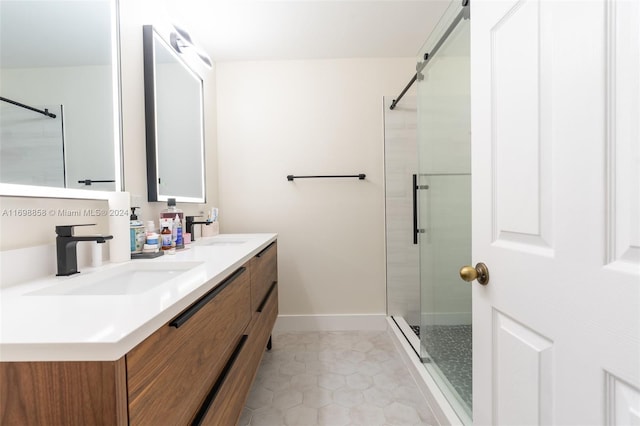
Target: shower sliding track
{"type": "Point", "coordinates": [464, 14]}
{"type": "Point", "coordinates": [30, 108]}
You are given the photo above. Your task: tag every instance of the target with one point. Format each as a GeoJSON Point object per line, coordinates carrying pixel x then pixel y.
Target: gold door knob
{"type": "Point", "coordinates": [480, 273]}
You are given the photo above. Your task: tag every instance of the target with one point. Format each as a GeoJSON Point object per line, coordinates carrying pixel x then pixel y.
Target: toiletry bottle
{"type": "Point", "coordinates": [166, 237]}
{"type": "Point", "coordinates": [171, 211]}
{"type": "Point", "coordinates": [174, 232]}
{"type": "Point", "coordinates": [153, 242]}
{"type": "Point", "coordinates": [177, 229]}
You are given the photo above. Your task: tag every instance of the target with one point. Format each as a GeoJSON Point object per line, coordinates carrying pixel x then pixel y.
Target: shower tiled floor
{"type": "Point", "coordinates": [449, 346]}
{"type": "Point", "coordinates": [335, 378]}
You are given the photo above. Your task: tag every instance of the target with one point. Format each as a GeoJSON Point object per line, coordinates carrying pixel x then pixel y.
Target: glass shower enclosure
{"type": "Point", "coordinates": [440, 332]}
{"type": "Point", "coordinates": [444, 205]}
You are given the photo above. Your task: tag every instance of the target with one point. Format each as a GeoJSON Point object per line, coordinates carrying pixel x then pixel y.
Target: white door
{"type": "Point", "coordinates": [555, 96]}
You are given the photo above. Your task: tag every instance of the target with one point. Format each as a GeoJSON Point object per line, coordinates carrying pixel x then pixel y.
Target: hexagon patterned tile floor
{"type": "Point", "coordinates": [335, 378]}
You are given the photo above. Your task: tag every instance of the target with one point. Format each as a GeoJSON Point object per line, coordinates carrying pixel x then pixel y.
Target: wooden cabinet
{"type": "Point", "coordinates": [63, 393]}
{"type": "Point", "coordinates": [228, 396]}
{"type": "Point", "coordinates": [196, 369]}
{"type": "Point", "coordinates": [264, 272]}
{"type": "Point", "coordinates": [170, 373]}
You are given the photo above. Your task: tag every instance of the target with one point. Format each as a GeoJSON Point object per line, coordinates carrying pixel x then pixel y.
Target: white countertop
{"type": "Point", "coordinates": [55, 327]}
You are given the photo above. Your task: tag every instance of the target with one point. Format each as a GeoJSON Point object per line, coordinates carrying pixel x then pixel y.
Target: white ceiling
{"type": "Point", "coordinates": [47, 33]}
{"type": "Point", "coordinates": [307, 29]}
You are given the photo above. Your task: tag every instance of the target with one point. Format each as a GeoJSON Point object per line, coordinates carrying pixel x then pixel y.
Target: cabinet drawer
{"type": "Point", "coordinates": [264, 272]}
{"type": "Point", "coordinates": [170, 373]}
{"type": "Point", "coordinates": [228, 396]}
{"type": "Point", "coordinates": [264, 319]}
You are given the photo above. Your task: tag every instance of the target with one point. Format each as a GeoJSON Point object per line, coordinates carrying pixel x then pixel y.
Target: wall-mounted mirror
{"type": "Point", "coordinates": [174, 115]}
{"type": "Point", "coordinates": [59, 84]}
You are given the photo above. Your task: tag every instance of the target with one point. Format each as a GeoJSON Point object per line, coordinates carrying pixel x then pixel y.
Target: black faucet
{"type": "Point", "coordinates": [189, 225]}
{"type": "Point", "coordinates": [66, 247]}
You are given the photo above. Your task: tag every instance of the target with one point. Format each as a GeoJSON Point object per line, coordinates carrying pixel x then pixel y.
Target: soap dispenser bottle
{"type": "Point", "coordinates": [136, 232]}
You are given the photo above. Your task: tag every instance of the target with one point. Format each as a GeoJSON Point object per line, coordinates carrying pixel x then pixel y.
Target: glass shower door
{"type": "Point", "coordinates": [444, 209]}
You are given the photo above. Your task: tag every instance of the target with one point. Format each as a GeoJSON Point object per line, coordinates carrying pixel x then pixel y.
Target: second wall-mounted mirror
{"type": "Point", "coordinates": [174, 115]}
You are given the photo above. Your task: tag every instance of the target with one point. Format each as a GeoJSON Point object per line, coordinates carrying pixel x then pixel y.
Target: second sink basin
{"type": "Point", "coordinates": [131, 278]}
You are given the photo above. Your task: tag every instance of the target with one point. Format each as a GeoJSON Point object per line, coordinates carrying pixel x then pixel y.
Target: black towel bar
{"type": "Point", "coordinates": [90, 181]}
{"type": "Point", "coordinates": [360, 176]}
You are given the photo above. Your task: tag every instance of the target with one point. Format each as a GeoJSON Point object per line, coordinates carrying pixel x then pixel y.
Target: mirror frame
{"type": "Point", "coordinates": [149, 33]}
{"type": "Point", "coordinates": [18, 190]}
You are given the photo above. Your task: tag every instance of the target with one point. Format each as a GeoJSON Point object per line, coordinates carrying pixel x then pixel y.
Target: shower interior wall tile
{"type": "Point", "coordinates": [403, 292]}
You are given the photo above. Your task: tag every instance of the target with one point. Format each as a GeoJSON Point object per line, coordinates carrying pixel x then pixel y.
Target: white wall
{"type": "Point", "coordinates": [307, 118]}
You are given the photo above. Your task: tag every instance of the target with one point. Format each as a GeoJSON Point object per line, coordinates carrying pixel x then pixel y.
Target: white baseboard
{"type": "Point", "coordinates": [287, 323]}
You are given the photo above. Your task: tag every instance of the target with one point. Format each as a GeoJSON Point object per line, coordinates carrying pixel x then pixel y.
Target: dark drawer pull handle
{"type": "Point", "coordinates": [264, 301]}
{"type": "Point", "coordinates": [265, 249]}
{"type": "Point", "coordinates": [191, 310]}
{"type": "Point", "coordinates": [202, 412]}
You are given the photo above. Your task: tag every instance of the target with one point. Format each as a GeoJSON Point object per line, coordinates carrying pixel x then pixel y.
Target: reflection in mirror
{"type": "Point", "coordinates": [62, 57]}
{"type": "Point", "coordinates": [174, 123]}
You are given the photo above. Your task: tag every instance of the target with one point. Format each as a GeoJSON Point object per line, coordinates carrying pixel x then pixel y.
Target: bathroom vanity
{"type": "Point", "coordinates": [184, 351]}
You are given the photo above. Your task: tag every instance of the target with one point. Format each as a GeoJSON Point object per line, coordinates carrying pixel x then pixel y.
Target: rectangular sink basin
{"type": "Point", "coordinates": [224, 242]}
{"type": "Point", "coordinates": [132, 278]}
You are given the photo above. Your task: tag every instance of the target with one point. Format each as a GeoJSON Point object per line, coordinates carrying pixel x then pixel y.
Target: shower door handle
{"type": "Point", "coordinates": [415, 188]}
{"type": "Point", "coordinates": [415, 208]}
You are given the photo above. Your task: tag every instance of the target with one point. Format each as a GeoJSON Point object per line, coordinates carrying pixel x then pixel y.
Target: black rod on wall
{"type": "Point", "coordinates": [360, 176]}
{"type": "Point", "coordinates": [30, 108]}
{"type": "Point", "coordinates": [90, 181]}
